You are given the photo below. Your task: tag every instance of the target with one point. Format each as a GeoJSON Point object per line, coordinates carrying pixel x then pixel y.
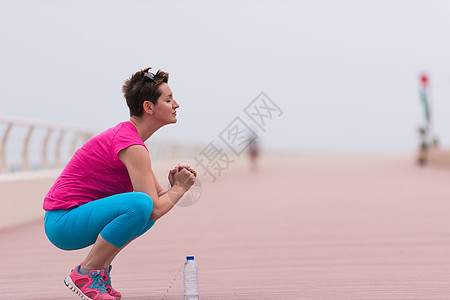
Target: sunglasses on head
{"type": "Point", "coordinates": [152, 76]}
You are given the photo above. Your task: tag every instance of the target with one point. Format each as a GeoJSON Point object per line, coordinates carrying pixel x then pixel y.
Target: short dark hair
{"type": "Point", "coordinates": [143, 86]}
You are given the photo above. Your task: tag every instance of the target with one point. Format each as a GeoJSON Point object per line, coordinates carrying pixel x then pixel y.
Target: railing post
{"type": "Point", "coordinates": [44, 158]}
{"type": "Point", "coordinates": [25, 161]}
{"type": "Point", "coordinates": [4, 166]}
{"type": "Point", "coordinates": [58, 163]}
{"type": "Point", "coordinates": [74, 143]}
{"type": "Point", "coordinates": [175, 150]}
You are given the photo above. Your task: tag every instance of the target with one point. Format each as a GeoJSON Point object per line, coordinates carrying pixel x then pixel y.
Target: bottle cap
{"type": "Point", "coordinates": [189, 257]}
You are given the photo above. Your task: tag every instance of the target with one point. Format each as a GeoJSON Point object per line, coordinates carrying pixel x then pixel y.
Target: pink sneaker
{"type": "Point", "coordinates": [109, 288]}
{"type": "Point", "coordinates": [88, 286]}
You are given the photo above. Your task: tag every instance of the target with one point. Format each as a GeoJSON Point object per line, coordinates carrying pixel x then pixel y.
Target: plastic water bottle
{"type": "Point", "coordinates": [190, 274]}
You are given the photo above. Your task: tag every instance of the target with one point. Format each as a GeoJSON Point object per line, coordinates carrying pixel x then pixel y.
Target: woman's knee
{"type": "Point", "coordinates": [141, 204]}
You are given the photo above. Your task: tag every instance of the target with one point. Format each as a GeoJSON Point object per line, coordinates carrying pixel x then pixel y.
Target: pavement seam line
{"type": "Point", "coordinates": [172, 283]}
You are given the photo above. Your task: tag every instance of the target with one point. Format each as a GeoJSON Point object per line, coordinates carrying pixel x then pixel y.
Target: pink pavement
{"type": "Point", "coordinates": [301, 228]}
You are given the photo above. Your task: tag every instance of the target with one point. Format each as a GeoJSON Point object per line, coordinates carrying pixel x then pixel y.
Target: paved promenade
{"type": "Point", "coordinates": [303, 228]}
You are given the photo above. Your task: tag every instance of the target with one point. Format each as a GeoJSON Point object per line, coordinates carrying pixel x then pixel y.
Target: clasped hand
{"type": "Point", "coordinates": [182, 176]}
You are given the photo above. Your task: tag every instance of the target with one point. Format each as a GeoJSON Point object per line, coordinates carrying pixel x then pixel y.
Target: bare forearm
{"type": "Point", "coordinates": [166, 202]}
{"type": "Point", "coordinates": [161, 193]}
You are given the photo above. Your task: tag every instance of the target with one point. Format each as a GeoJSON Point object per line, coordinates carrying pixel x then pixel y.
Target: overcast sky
{"type": "Point", "coordinates": [345, 74]}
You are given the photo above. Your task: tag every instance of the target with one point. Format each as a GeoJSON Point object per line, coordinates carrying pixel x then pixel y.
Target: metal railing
{"type": "Point", "coordinates": [32, 145]}
{"type": "Point", "coordinates": [167, 150]}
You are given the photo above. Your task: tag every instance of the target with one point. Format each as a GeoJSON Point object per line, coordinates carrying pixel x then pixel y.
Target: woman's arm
{"type": "Point", "coordinates": [159, 189]}
{"type": "Point", "coordinates": [137, 161]}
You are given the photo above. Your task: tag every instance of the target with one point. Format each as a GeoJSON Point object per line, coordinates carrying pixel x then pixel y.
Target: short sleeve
{"type": "Point", "coordinates": [125, 137]}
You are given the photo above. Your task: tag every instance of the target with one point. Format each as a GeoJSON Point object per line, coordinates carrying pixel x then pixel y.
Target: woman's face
{"type": "Point", "coordinates": [165, 108]}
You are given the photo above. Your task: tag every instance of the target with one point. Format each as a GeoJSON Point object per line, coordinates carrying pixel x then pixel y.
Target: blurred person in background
{"type": "Point", "coordinates": [108, 195]}
{"type": "Point", "coordinates": [253, 152]}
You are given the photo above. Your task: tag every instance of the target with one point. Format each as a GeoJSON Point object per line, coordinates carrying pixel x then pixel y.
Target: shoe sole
{"type": "Point", "coordinates": [69, 283]}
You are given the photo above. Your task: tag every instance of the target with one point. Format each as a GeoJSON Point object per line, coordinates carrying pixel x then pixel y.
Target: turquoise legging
{"type": "Point", "coordinates": [118, 219]}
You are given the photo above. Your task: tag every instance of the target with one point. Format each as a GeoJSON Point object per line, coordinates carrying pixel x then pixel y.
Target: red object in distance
{"type": "Point", "coordinates": [424, 79]}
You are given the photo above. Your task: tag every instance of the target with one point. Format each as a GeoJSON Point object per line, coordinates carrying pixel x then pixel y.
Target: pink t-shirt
{"type": "Point", "coordinates": [95, 171]}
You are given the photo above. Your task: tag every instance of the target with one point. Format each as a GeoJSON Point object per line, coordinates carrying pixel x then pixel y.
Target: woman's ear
{"type": "Point", "coordinates": [148, 107]}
